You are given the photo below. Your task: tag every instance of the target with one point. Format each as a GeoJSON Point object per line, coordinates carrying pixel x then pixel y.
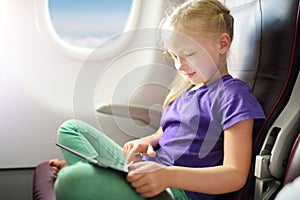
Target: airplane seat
{"type": "Point", "coordinates": [266, 54]}
{"type": "Point", "coordinates": [275, 86]}
{"type": "Point", "coordinates": [290, 186]}
{"type": "Point", "coordinates": [293, 165]}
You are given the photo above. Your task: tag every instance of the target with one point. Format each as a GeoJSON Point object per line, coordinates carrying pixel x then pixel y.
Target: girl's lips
{"type": "Point", "coordinates": [191, 74]}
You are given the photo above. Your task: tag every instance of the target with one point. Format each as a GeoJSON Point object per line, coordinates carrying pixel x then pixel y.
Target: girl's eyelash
{"type": "Point", "coordinates": [189, 54]}
{"type": "Point", "coordinates": [174, 56]}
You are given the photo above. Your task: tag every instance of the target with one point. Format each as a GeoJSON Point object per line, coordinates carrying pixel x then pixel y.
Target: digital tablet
{"type": "Point", "coordinates": [92, 161]}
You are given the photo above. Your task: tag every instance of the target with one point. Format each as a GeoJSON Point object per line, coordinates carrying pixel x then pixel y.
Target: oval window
{"type": "Point", "coordinates": [88, 23]}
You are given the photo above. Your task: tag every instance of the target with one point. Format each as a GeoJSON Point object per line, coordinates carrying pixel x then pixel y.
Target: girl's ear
{"type": "Point", "coordinates": [224, 42]}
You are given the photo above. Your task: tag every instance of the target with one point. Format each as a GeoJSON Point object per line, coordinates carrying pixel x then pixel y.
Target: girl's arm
{"type": "Point", "coordinates": [149, 179]}
{"type": "Point", "coordinates": [230, 176]}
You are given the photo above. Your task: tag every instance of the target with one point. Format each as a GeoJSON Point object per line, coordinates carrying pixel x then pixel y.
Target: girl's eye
{"type": "Point", "coordinates": [188, 54]}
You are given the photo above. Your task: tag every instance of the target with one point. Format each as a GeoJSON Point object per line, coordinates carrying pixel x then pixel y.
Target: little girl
{"type": "Point", "coordinates": [204, 145]}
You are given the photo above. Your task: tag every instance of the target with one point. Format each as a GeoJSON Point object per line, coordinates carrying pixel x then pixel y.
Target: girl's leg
{"type": "Point", "coordinates": [83, 181]}
{"type": "Point", "coordinates": [91, 142]}
{"type": "Point", "coordinates": [80, 180]}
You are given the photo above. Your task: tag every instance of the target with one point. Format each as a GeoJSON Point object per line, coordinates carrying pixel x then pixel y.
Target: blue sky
{"type": "Point", "coordinates": [88, 22]}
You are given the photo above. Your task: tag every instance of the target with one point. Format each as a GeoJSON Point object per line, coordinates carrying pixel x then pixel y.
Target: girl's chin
{"type": "Point", "coordinates": [196, 80]}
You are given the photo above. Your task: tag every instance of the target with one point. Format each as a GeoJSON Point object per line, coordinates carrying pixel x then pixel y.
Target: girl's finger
{"type": "Point", "coordinates": [145, 167]}
{"type": "Point", "coordinates": [143, 188]}
{"type": "Point", "coordinates": [127, 148]}
{"type": "Point", "coordinates": [150, 151]}
{"type": "Point", "coordinates": [133, 157]}
{"type": "Point", "coordinates": [131, 177]}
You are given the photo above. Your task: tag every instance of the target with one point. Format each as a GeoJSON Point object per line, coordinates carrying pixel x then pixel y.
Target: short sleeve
{"type": "Point", "coordinates": [239, 104]}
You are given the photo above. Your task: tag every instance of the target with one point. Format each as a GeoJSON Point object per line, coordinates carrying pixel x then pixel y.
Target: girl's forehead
{"type": "Point", "coordinates": [177, 41]}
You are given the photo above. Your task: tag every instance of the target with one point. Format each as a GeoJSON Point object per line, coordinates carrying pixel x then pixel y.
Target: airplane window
{"type": "Point", "coordinates": [88, 23]}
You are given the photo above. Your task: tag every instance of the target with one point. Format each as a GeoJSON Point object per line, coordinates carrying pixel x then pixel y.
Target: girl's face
{"type": "Point", "coordinates": [196, 57]}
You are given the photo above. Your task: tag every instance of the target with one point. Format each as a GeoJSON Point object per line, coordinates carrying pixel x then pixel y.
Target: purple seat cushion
{"type": "Point", "coordinates": [43, 183]}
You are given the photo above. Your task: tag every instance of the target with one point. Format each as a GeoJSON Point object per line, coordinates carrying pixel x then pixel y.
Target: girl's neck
{"type": "Point", "coordinates": [223, 71]}
{"type": "Point", "coordinates": [219, 76]}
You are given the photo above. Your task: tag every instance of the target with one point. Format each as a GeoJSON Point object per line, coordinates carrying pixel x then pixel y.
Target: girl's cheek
{"type": "Point", "coordinates": [205, 68]}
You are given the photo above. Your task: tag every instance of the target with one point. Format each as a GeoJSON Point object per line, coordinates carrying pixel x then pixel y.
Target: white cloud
{"type": "Point", "coordinates": [84, 41]}
{"type": "Point", "coordinates": [90, 24]}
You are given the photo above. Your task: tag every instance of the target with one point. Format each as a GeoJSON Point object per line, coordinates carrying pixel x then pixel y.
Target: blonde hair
{"type": "Point", "coordinates": [208, 18]}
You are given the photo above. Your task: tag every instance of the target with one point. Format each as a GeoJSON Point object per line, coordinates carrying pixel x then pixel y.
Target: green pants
{"type": "Point", "coordinates": [81, 180]}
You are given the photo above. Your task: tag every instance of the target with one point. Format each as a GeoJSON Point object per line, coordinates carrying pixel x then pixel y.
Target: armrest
{"type": "Point", "coordinates": [145, 114]}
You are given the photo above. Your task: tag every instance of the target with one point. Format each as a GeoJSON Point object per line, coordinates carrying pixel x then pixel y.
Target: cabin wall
{"type": "Point", "coordinates": [41, 81]}
{"type": "Point", "coordinates": [16, 184]}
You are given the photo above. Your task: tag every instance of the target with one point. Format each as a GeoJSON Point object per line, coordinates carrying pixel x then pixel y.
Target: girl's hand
{"type": "Point", "coordinates": [148, 178]}
{"type": "Point", "coordinates": [133, 149]}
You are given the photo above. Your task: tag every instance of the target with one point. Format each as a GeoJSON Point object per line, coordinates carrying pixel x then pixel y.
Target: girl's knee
{"type": "Point", "coordinates": [67, 126]}
{"type": "Point", "coordinates": [66, 129]}
{"type": "Point", "coordinates": [74, 182]}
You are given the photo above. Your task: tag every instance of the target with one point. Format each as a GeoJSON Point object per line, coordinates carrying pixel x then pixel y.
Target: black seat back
{"type": "Point", "coordinates": [266, 54]}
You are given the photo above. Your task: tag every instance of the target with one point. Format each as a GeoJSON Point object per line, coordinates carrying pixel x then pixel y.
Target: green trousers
{"type": "Point", "coordinates": [81, 180]}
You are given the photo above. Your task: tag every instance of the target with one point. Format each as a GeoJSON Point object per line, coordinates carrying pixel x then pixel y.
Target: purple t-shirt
{"type": "Point", "coordinates": [193, 125]}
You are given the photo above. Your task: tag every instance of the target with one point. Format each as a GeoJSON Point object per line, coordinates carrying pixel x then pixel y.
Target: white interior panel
{"type": "Point", "coordinates": [40, 82]}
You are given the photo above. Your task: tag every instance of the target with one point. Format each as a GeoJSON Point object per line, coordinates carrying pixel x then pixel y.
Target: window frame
{"type": "Point", "coordinates": [45, 26]}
